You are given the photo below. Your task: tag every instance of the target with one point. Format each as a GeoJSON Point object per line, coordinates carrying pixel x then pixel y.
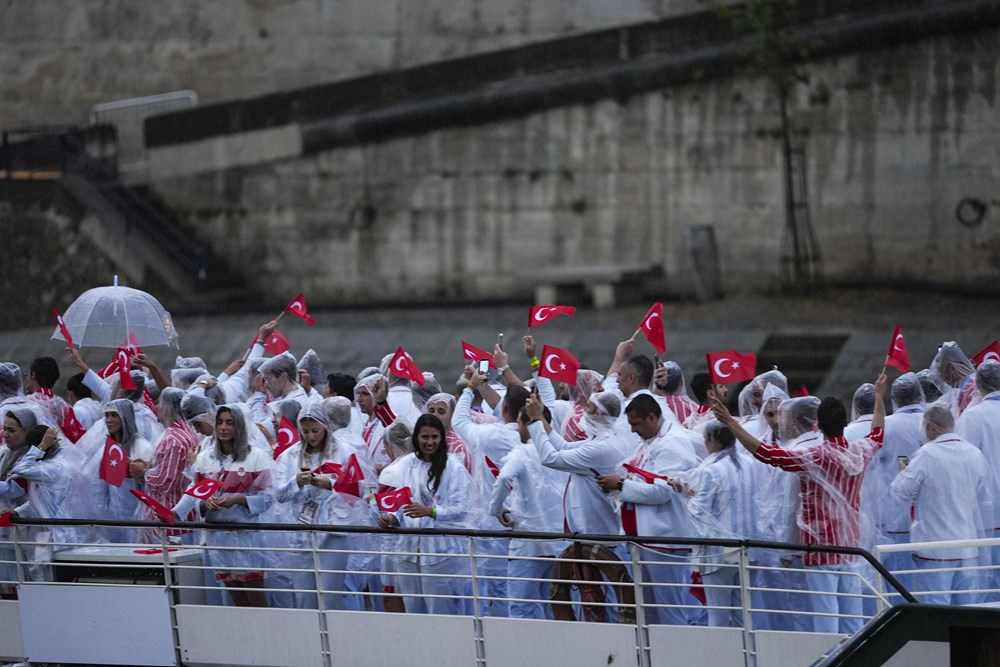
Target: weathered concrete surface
{"type": "Point", "coordinates": [349, 340]}
{"type": "Point", "coordinates": [61, 57]}
{"type": "Point", "coordinates": [895, 140]}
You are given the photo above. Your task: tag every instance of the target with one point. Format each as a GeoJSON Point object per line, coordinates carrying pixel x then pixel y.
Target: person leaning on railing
{"type": "Point", "coordinates": [830, 476]}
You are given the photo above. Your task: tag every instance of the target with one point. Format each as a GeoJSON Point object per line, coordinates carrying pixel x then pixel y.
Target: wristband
{"type": "Point", "coordinates": [503, 369]}
{"type": "Point", "coordinates": [434, 513]}
{"type": "Point", "coordinates": [535, 362]}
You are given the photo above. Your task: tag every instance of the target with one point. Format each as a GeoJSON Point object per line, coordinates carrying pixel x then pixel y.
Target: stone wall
{"type": "Point", "coordinates": [61, 57]}
{"type": "Point", "coordinates": [895, 140]}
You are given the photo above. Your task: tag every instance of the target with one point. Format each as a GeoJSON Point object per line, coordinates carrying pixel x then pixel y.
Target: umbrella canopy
{"type": "Point", "coordinates": [115, 316]}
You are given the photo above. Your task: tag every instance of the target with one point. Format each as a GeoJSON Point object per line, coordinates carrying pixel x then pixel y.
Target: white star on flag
{"type": "Point", "coordinates": [736, 364]}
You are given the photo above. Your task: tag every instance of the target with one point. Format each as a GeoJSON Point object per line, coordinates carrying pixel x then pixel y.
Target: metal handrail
{"type": "Point", "coordinates": [498, 534]}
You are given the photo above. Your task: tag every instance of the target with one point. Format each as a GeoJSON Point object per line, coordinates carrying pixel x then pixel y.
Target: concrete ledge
{"type": "Point", "coordinates": [225, 151]}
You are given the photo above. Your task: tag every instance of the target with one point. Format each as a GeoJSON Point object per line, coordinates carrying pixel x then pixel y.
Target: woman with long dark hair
{"type": "Point", "coordinates": [439, 486]}
{"type": "Point", "coordinates": [246, 492]}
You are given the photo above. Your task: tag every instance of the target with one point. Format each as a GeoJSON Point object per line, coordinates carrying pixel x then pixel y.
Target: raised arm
{"type": "Point", "coordinates": [723, 415]}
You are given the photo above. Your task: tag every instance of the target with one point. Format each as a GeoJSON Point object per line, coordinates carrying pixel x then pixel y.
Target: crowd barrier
{"type": "Point", "coordinates": [635, 599]}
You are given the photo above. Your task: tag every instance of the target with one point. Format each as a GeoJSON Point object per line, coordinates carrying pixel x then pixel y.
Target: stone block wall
{"type": "Point", "coordinates": [894, 141]}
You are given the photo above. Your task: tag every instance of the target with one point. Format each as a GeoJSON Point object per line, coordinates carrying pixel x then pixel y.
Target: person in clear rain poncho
{"type": "Point", "coordinates": [304, 488]}
{"type": "Point", "coordinates": [246, 492]}
{"type": "Point", "coordinates": [12, 393]}
{"type": "Point", "coordinates": [398, 442]}
{"type": "Point", "coordinates": [903, 435]}
{"type": "Point", "coordinates": [99, 499]}
{"type": "Point", "coordinates": [954, 374]}
{"type": "Point", "coordinates": [980, 425]}
{"type": "Point", "coordinates": [439, 485]}
{"type": "Point", "coordinates": [830, 476]}
{"type": "Point", "coordinates": [669, 382]}
{"type": "Point", "coordinates": [312, 375]}
{"type": "Point", "coordinates": [721, 501]}
{"type": "Point", "coordinates": [950, 485]}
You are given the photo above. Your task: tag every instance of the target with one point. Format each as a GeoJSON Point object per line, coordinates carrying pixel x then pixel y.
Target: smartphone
{"type": "Point", "coordinates": [500, 340]}
{"type": "Point", "coordinates": [484, 366]}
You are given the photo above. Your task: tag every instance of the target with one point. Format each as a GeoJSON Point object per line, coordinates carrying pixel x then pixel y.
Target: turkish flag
{"type": "Point", "coordinates": [473, 354]}
{"type": "Point", "coordinates": [898, 357]}
{"type": "Point", "coordinates": [288, 435]}
{"type": "Point", "coordinates": [650, 477]}
{"type": "Point", "coordinates": [730, 366]}
{"type": "Point", "coordinates": [989, 353]}
{"type": "Point", "coordinates": [494, 468]}
{"type": "Point", "coordinates": [5, 521]}
{"type": "Point", "coordinates": [114, 463]}
{"type": "Point", "coordinates": [71, 426]}
{"type": "Point", "coordinates": [329, 468]}
{"type": "Point", "coordinates": [276, 343]}
{"type": "Point", "coordinates": [652, 327]}
{"type": "Point", "coordinates": [697, 588]}
{"type": "Point", "coordinates": [124, 360]}
{"type": "Point", "coordinates": [802, 391]}
{"type": "Point", "coordinates": [403, 366]}
{"type": "Point", "coordinates": [542, 314]}
{"type": "Point", "coordinates": [347, 481]}
{"type": "Point", "coordinates": [297, 307]}
{"type": "Point", "coordinates": [205, 487]}
{"type": "Point", "coordinates": [161, 510]}
{"type": "Point", "coordinates": [558, 365]}
{"type": "Point", "coordinates": [63, 329]}
{"type": "Point", "coordinates": [390, 501]}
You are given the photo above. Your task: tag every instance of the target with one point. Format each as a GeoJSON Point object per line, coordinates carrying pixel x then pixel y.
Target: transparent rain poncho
{"type": "Point", "coordinates": [183, 378]}
{"type": "Point", "coordinates": [907, 391]}
{"type": "Point", "coordinates": [330, 507]}
{"type": "Point", "coordinates": [421, 394]}
{"type": "Point", "coordinates": [310, 363]}
{"type": "Point", "coordinates": [11, 381]}
{"type": "Point", "coordinates": [863, 402]}
{"type": "Point", "coordinates": [609, 408]}
{"type": "Point", "coordinates": [189, 362]}
{"type": "Point", "coordinates": [830, 475]}
{"type": "Point", "coordinates": [587, 381]}
{"type": "Point", "coordinates": [198, 409]}
{"type": "Point", "coordinates": [932, 392]}
{"type": "Point", "coordinates": [952, 371]}
{"type": "Point", "coordinates": [675, 392]}
{"type": "Point", "coordinates": [988, 377]}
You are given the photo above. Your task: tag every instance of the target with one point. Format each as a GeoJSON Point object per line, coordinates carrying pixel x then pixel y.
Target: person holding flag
{"type": "Point", "coordinates": [123, 445]}
{"type": "Point", "coordinates": [954, 374]}
{"type": "Point", "coordinates": [830, 478]}
{"type": "Point", "coordinates": [304, 489]}
{"type": "Point", "coordinates": [246, 491]}
{"type": "Point", "coordinates": [439, 485]}
{"type": "Point", "coordinates": [163, 475]}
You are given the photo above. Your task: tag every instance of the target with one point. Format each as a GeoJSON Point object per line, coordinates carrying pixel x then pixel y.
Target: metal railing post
{"type": "Point", "coordinates": [641, 629]}
{"type": "Point", "coordinates": [477, 621]}
{"type": "Point", "coordinates": [172, 593]}
{"type": "Point", "coordinates": [746, 602]}
{"type": "Point", "coordinates": [324, 634]}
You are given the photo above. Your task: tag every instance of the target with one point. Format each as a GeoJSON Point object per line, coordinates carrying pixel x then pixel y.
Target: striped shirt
{"type": "Point", "coordinates": [830, 477]}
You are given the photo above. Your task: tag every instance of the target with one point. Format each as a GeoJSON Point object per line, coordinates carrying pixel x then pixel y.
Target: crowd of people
{"type": "Point", "coordinates": [628, 452]}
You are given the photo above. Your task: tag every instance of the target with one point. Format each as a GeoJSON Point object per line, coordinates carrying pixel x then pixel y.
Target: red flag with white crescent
{"type": "Point", "coordinates": [898, 357]}
{"type": "Point", "coordinates": [403, 366]}
{"type": "Point", "coordinates": [989, 353]}
{"type": "Point", "coordinates": [558, 365]}
{"type": "Point", "coordinates": [288, 435]}
{"type": "Point", "coordinates": [114, 463]}
{"type": "Point", "coordinates": [390, 501]}
{"type": "Point", "coordinates": [652, 327]}
{"type": "Point", "coordinates": [63, 329]}
{"type": "Point", "coordinates": [329, 468]}
{"type": "Point", "coordinates": [473, 354]}
{"type": "Point", "coordinates": [347, 481]}
{"type": "Point", "coordinates": [205, 487]}
{"type": "Point", "coordinates": [494, 468]}
{"type": "Point", "coordinates": [71, 426]}
{"type": "Point", "coordinates": [297, 307]}
{"type": "Point", "coordinates": [730, 366]}
{"type": "Point", "coordinates": [542, 314]}
{"type": "Point", "coordinates": [649, 477]}
{"type": "Point", "coordinates": [124, 361]}
{"type": "Point", "coordinates": [161, 510]}
{"type": "Point", "coordinates": [276, 343]}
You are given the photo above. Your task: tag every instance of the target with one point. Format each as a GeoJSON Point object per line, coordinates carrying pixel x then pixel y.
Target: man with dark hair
{"type": "Point", "coordinates": [42, 374]}
{"type": "Point", "coordinates": [86, 409]}
{"type": "Point", "coordinates": [830, 477]}
{"type": "Point", "coordinates": [650, 506]}
{"type": "Point", "coordinates": [340, 384]}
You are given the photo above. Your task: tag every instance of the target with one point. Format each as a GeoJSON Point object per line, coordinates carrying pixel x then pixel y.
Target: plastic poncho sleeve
{"type": "Point", "coordinates": [503, 485]}
{"type": "Point", "coordinates": [97, 385]}
{"type": "Point", "coordinates": [551, 452]}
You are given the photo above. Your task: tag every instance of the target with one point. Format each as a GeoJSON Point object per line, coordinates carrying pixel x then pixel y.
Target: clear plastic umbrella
{"type": "Point", "coordinates": [115, 316]}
